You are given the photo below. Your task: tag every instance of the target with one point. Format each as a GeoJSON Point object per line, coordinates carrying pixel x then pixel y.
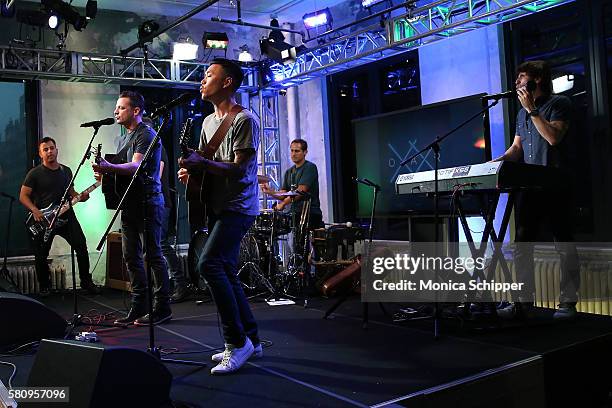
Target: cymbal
{"type": "Point", "coordinates": [262, 179]}
{"type": "Point", "coordinates": [288, 194]}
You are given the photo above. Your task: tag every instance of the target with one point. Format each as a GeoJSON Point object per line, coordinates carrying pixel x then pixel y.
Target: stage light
{"type": "Point", "coordinates": [318, 19]}
{"type": "Point", "coordinates": [216, 41]}
{"type": "Point", "coordinates": [280, 52]}
{"type": "Point", "coordinates": [146, 29]}
{"type": "Point", "coordinates": [370, 3]}
{"type": "Point", "coordinates": [245, 55]}
{"type": "Point", "coordinates": [184, 51]}
{"type": "Point", "coordinates": [53, 21]}
{"type": "Point", "coordinates": [91, 9]}
{"type": "Point", "coordinates": [67, 12]}
{"type": "Point", "coordinates": [563, 83]}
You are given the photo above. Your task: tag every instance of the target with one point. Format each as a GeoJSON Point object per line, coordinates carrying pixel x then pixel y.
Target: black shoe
{"type": "Point", "coordinates": [132, 315]}
{"type": "Point", "coordinates": [44, 292]}
{"type": "Point", "coordinates": [159, 317]}
{"type": "Point", "coordinates": [90, 287]}
{"type": "Point", "coordinates": [181, 293]}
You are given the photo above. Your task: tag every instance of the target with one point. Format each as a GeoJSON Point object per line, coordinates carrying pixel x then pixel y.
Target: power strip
{"type": "Point", "coordinates": [5, 400]}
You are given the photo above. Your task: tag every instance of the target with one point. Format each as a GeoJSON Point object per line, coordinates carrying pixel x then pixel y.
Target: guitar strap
{"type": "Point", "coordinates": [213, 145]}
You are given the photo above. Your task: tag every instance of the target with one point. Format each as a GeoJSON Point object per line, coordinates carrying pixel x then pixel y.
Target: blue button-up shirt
{"type": "Point", "coordinates": [536, 150]}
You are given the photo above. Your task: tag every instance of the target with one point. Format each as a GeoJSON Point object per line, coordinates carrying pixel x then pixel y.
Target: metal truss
{"type": "Point", "coordinates": [418, 26]}
{"type": "Point", "coordinates": [31, 63]}
{"type": "Point", "coordinates": [264, 105]}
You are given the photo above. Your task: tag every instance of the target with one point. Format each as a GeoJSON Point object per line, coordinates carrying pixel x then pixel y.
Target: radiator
{"type": "Point", "coordinates": [594, 295]}
{"type": "Point", "coordinates": [24, 276]}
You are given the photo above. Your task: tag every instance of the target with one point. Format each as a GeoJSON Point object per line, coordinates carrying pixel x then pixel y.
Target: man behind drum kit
{"type": "Point", "coordinates": [303, 178]}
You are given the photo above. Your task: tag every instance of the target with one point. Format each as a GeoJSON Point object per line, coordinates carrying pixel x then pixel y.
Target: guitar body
{"type": "Point", "coordinates": [115, 185]}
{"type": "Point", "coordinates": [37, 229]}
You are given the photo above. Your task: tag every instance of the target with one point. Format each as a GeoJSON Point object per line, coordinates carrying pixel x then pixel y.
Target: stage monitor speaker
{"type": "Point", "coordinates": [23, 319]}
{"type": "Point", "coordinates": [99, 376]}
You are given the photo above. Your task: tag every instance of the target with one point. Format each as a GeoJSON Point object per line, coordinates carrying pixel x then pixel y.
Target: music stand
{"type": "Point", "coordinates": [152, 348]}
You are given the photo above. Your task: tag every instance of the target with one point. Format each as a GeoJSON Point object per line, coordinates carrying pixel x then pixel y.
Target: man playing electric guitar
{"type": "Point", "coordinates": [44, 185]}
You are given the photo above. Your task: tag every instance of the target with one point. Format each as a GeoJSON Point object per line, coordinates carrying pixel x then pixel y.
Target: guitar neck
{"type": "Point", "coordinates": [77, 199]}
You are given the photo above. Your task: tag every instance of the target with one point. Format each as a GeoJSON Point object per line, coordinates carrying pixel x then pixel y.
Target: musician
{"type": "Point", "coordinates": [140, 213]}
{"type": "Point", "coordinates": [302, 177]}
{"type": "Point", "coordinates": [44, 185]}
{"type": "Point", "coordinates": [541, 138]}
{"type": "Point", "coordinates": [232, 205]}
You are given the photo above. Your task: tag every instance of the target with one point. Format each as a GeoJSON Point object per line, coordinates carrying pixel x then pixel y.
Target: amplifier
{"type": "Point", "coordinates": [116, 271]}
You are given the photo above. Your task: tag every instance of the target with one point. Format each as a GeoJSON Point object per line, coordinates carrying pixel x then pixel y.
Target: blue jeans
{"type": "Point", "coordinates": [219, 266]}
{"type": "Point", "coordinates": [133, 226]}
{"type": "Point", "coordinates": [168, 248]}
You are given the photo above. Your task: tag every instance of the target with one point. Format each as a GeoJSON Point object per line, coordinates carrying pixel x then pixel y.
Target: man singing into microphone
{"type": "Point", "coordinates": [541, 138]}
{"type": "Point", "coordinates": [142, 212]}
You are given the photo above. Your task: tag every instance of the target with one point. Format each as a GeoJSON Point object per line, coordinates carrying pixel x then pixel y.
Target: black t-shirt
{"type": "Point", "coordinates": [47, 185]}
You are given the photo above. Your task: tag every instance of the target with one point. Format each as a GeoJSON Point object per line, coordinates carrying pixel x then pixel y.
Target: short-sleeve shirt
{"type": "Point", "coordinates": [236, 194]}
{"type": "Point", "coordinates": [308, 175]}
{"type": "Point", "coordinates": [47, 185]}
{"type": "Point", "coordinates": [138, 141]}
{"type": "Point", "coordinates": [536, 150]}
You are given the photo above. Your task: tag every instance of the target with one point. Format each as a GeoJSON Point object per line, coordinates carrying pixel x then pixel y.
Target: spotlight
{"type": "Point", "coordinates": [67, 12]}
{"type": "Point", "coordinates": [91, 9]}
{"type": "Point", "coordinates": [217, 41]}
{"type": "Point", "coordinates": [146, 29]}
{"type": "Point", "coordinates": [318, 19]}
{"type": "Point", "coordinates": [245, 55]}
{"type": "Point", "coordinates": [280, 52]}
{"type": "Point", "coordinates": [370, 3]}
{"type": "Point", "coordinates": [53, 21]}
{"type": "Point", "coordinates": [185, 51]}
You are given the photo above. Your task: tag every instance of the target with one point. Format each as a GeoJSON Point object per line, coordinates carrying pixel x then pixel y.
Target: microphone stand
{"type": "Point", "coordinates": [152, 349]}
{"type": "Point", "coordinates": [435, 148]}
{"type": "Point", "coordinates": [77, 319]}
{"type": "Point", "coordinates": [375, 191]}
{"type": "Point", "coordinates": [4, 271]}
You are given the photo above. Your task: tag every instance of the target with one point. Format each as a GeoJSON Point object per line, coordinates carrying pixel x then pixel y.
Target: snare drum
{"type": "Point", "coordinates": [266, 219]}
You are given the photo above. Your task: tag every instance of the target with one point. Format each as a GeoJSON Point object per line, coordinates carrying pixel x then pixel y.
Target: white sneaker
{"type": "Point", "coordinates": [233, 358]}
{"type": "Point", "coordinates": [257, 353]}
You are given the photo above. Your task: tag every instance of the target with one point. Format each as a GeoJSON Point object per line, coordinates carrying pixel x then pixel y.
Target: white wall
{"type": "Point", "coordinates": [65, 105]}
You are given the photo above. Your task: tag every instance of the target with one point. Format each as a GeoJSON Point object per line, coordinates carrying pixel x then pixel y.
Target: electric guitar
{"type": "Point", "coordinates": [42, 227]}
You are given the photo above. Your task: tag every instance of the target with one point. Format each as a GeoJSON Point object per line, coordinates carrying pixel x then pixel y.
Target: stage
{"type": "Point", "coordinates": [309, 361]}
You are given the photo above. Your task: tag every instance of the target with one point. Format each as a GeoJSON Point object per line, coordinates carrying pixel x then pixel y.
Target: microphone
{"type": "Point", "coordinates": [98, 123]}
{"type": "Point", "coordinates": [530, 87]}
{"type": "Point", "coordinates": [184, 98]}
{"type": "Point", "coordinates": [366, 182]}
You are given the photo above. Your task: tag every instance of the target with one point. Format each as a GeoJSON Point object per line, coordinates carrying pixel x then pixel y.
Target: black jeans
{"type": "Point", "coordinates": [73, 234]}
{"type": "Point", "coordinates": [168, 248]}
{"type": "Point", "coordinates": [133, 227]}
{"type": "Point", "coordinates": [539, 215]}
{"type": "Point", "coordinates": [219, 266]}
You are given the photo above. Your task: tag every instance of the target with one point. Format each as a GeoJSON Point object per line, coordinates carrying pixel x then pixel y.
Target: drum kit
{"type": "Point", "coordinates": [261, 267]}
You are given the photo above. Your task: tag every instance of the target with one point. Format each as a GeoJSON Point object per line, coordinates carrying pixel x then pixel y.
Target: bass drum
{"type": "Point", "coordinates": [249, 254]}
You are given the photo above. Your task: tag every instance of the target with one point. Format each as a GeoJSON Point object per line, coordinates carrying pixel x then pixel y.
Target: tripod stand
{"type": "Point", "coordinates": [4, 273]}
{"type": "Point", "coordinates": [155, 144]}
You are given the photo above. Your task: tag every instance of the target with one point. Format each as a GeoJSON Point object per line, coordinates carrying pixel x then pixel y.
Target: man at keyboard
{"type": "Point", "coordinates": [541, 138]}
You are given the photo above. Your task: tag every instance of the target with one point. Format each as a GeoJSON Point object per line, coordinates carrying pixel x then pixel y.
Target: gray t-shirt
{"type": "Point", "coordinates": [239, 195]}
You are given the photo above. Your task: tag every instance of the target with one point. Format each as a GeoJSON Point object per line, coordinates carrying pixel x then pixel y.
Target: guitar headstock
{"type": "Point", "coordinates": [98, 153]}
{"type": "Point", "coordinates": [185, 136]}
